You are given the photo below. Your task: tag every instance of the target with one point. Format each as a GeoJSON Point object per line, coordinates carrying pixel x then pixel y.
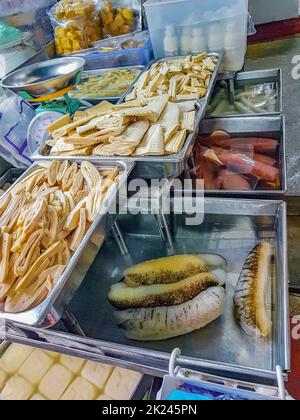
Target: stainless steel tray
{"type": "Point", "coordinates": [203, 102]}
{"type": "Point", "coordinates": [266, 126]}
{"type": "Point", "coordinates": [242, 79]}
{"type": "Point", "coordinates": [231, 228]}
{"type": "Point", "coordinates": [144, 167]}
{"type": "Point", "coordinates": [112, 99]}
{"type": "Point", "coordinates": [154, 167]}
{"type": "Point", "coordinates": [50, 311]}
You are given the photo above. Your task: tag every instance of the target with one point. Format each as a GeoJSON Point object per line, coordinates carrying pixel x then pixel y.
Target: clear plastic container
{"type": "Point", "coordinates": [220, 24]}
{"type": "Point", "coordinates": [101, 57]}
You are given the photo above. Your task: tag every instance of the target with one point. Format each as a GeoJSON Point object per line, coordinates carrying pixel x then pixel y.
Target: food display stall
{"type": "Point", "coordinates": [109, 294]}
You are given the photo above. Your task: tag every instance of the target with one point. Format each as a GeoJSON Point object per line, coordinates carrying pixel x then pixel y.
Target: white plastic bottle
{"type": "Point", "coordinates": [186, 41]}
{"type": "Point", "coordinates": [171, 44]}
{"type": "Point", "coordinates": [199, 42]}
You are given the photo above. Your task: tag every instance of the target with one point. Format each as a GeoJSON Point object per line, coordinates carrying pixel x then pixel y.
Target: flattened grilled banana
{"type": "Point", "coordinates": [153, 324]}
{"type": "Point", "coordinates": [124, 297]}
{"type": "Point", "coordinates": [250, 295]}
{"type": "Point", "coordinates": [165, 270]}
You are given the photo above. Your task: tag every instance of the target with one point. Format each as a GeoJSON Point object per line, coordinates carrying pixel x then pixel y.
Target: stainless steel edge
{"type": "Point", "coordinates": [138, 393]}
{"type": "Point", "coordinates": [260, 75]}
{"type": "Point", "coordinates": [128, 357]}
{"type": "Point", "coordinates": [252, 124]}
{"type": "Point", "coordinates": [49, 312]}
{"type": "Point", "coordinates": [114, 99]}
{"type": "Point", "coordinates": [285, 356]}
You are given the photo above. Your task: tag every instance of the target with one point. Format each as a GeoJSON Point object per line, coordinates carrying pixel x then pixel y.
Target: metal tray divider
{"type": "Point", "coordinates": [119, 239]}
{"type": "Point", "coordinates": [164, 230]}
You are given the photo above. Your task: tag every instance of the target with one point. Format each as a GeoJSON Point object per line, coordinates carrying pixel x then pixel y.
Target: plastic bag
{"type": "Point", "coordinates": [9, 34]}
{"type": "Point", "coordinates": [15, 117]}
{"type": "Point", "coordinates": [120, 17]}
{"type": "Point", "coordinates": [76, 24]}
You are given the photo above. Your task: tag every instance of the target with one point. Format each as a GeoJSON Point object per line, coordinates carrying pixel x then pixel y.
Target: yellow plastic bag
{"type": "Point", "coordinates": [120, 17]}
{"type": "Point", "coordinates": [77, 24]}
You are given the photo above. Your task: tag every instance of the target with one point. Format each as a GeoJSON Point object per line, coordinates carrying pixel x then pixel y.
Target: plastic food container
{"type": "Point", "coordinates": [100, 57]}
{"type": "Point", "coordinates": [251, 93]}
{"type": "Point", "coordinates": [189, 26]}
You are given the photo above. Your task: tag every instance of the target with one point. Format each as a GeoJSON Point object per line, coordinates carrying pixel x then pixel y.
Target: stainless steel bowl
{"type": "Point", "coordinates": [45, 78]}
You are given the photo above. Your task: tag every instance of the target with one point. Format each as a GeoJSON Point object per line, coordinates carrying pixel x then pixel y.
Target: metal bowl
{"type": "Point", "coordinates": [45, 78]}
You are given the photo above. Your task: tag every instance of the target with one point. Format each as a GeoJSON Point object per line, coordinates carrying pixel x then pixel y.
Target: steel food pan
{"type": "Point", "coordinates": [154, 167]}
{"type": "Point", "coordinates": [267, 126]}
{"type": "Point", "coordinates": [230, 228]}
{"type": "Point", "coordinates": [144, 167]}
{"type": "Point", "coordinates": [244, 79]}
{"type": "Point", "coordinates": [92, 73]}
{"type": "Point", "coordinates": [50, 311]}
{"type": "Point", "coordinates": [203, 102]}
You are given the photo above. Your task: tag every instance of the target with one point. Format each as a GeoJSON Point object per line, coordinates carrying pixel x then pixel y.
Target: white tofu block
{"type": "Point", "coordinates": [36, 367]}
{"type": "Point", "coordinates": [38, 397]}
{"type": "Point", "coordinates": [80, 390]}
{"type": "Point", "coordinates": [72, 363]}
{"type": "Point", "coordinates": [97, 373]}
{"type": "Point", "coordinates": [17, 389]}
{"type": "Point", "coordinates": [14, 357]}
{"type": "Point", "coordinates": [55, 382]}
{"type": "Point", "coordinates": [122, 384]}
{"type": "Point", "coordinates": [53, 355]}
{"type": "Point", "coordinates": [3, 379]}
{"type": "Point", "coordinates": [104, 397]}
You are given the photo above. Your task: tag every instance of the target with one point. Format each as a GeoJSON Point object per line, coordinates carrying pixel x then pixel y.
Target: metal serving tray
{"type": "Point", "coordinates": [93, 73]}
{"type": "Point", "coordinates": [257, 77]}
{"type": "Point", "coordinates": [203, 102]}
{"type": "Point", "coordinates": [231, 228]}
{"type": "Point", "coordinates": [50, 311]}
{"type": "Point", "coordinates": [265, 126]}
{"type": "Point", "coordinates": [154, 167]}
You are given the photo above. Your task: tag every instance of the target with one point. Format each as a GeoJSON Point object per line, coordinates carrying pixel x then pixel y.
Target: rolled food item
{"type": "Point", "coordinates": [250, 298]}
{"type": "Point", "coordinates": [162, 323]}
{"type": "Point", "coordinates": [123, 297]}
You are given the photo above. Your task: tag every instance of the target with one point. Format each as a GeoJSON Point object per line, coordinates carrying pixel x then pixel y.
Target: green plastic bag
{"type": "Point", "coordinates": [8, 33]}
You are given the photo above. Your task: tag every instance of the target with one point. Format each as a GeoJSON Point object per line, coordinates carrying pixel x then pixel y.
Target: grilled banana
{"type": "Point", "coordinates": [250, 294]}
{"type": "Point", "coordinates": [154, 324]}
{"type": "Point", "coordinates": [165, 270]}
{"type": "Point", "coordinates": [124, 297]}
